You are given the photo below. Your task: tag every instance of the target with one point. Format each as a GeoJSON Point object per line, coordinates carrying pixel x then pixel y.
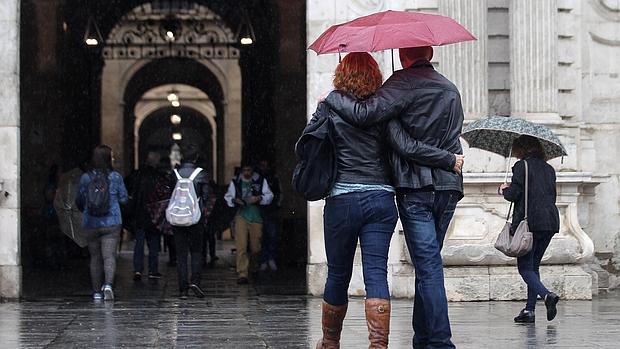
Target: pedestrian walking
{"type": "Point", "coordinates": [101, 192]}
{"type": "Point", "coordinates": [542, 217]}
{"type": "Point", "coordinates": [188, 238]}
{"type": "Point", "coordinates": [144, 187]}
{"type": "Point", "coordinates": [247, 191]}
{"type": "Point", "coordinates": [270, 217]}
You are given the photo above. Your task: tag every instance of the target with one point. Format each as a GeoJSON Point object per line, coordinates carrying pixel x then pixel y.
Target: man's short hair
{"type": "Point", "coordinates": [410, 55]}
{"type": "Point", "coordinates": [190, 152]}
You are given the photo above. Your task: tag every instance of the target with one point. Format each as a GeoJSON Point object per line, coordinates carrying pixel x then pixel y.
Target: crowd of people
{"type": "Point", "coordinates": [111, 204]}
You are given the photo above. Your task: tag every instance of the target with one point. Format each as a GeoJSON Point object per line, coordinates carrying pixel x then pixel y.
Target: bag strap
{"type": "Point", "coordinates": [177, 174]}
{"type": "Point", "coordinates": [195, 173]}
{"type": "Point", "coordinates": [508, 214]}
{"type": "Point", "coordinates": [526, 188]}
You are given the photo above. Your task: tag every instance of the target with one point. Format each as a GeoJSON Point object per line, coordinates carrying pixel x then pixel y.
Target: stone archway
{"type": "Point", "coordinates": [193, 99]}
{"type": "Point", "coordinates": [127, 75]}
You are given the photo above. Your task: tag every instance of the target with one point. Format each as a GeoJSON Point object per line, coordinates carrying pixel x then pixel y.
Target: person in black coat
{"type": "Point", "coordinates": [542, 217]}
{"type": "Point", "coordinates": [188, 240]}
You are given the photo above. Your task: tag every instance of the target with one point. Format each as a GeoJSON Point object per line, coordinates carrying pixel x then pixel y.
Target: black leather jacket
{"type": "Point", "coordinates": [428, 107]}
{"type": "Point", "coordinates": [362, 153]}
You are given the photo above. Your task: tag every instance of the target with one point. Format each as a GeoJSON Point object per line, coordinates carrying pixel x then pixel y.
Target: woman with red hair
{"type": "Point", "coordinates": [360, 207]}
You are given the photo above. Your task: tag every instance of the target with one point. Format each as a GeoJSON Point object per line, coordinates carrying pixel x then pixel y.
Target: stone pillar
{"type": "Point", "coordinates": [10, 264]}
{"type": "Point", "coordinates": [466, 64]}
{"type": "Point", "coordinates": [533, 60]}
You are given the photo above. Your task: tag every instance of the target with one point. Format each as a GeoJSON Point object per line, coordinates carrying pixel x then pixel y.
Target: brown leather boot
{"type": "Point", "coordinates": [378, 320]}
{"type": "Point", "coordinates": [333, 315]}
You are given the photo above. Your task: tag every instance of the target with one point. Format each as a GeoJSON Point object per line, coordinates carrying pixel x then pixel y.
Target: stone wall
{"type": "Point", "coordinates": [10, 269]}
{"type": "Point", "coordinates": [549, 61]}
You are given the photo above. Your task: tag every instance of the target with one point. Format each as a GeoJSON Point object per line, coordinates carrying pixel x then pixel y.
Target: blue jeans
{"type": "Point", "coordinates": [425, 216]}
{"type": "Point", "coordinates": [153, 241]}
{"type": "Point", "coordinates": [370, 217]}
{"type": "Point", "coordinates": [269, 237]}
{"type": "Point", "coordinates": [528, 268]}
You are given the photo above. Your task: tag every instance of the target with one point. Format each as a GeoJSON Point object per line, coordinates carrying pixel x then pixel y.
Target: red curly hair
{"type": "Point", "coordinates": [358, 74]}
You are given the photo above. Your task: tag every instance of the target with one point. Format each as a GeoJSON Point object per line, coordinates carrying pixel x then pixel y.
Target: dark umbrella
{"type": "Point", "coordinates": [497, 133]}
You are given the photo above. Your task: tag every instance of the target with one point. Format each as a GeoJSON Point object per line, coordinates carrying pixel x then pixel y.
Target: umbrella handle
{"type": "Point", "coordinates": [507, 166]}
{"type": "Point", "coordinates": [341, 46]}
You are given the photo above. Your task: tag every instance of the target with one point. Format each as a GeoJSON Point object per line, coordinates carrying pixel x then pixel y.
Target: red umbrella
{"type": "Point", "coordinates": [390, 30]}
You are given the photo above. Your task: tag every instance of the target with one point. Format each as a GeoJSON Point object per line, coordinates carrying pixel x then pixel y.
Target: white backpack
{"type": "Point", "coordinates": [184, 207]}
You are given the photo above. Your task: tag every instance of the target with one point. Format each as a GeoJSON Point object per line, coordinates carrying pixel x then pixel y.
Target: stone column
{"type": "Point", "coordinates": [466, 64]}
{"type": "Point", "coordinates": [10, 264]}
{"type": "Point", "coordinates": [533, 60]}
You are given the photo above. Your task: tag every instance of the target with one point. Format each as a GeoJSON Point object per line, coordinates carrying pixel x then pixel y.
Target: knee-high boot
{"type": "Point", "coordinates": [332, 318]}
{"type": "Point", "coordinates": [378, 321]}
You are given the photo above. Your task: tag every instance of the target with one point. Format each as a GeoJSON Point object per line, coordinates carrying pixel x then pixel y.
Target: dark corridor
{"type": "Point", "coordinates": [61, 112]}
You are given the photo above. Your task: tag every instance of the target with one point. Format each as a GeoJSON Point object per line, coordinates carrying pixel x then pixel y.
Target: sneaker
{"type": "Point", "coordinates": [525, 316]}
{"type": "Point", "coordinates": [108, 294]}
{"type": "Point", "coordinates": [97, 296]}
{"type": "Point", "coordinates": [263, 267]}
{"type": "Point", "coordinates": [198, 292]}
{"type": "Point", "coordinates": [243, 281]}
{"type": "Point", "coordinates": [272, 265]}
{"type": "Point", "coordinates": [155, 275]}
{"type": "Point", "coordinates": [551, 300]}
{"type": "Point", "coordinates": [137, 276]}
{"type": "Point", "coordinates": [183, 294]}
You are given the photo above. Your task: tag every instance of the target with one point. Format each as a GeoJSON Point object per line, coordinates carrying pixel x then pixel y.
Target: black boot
{"type": "Point", "coordinates": [525, 316]}
{"type": "Point", "coordinates": [551, 300]}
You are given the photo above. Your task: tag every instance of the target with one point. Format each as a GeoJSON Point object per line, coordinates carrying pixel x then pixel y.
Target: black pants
{"type": "Point", "coordinates": [188, 241]}
{"type": "Point", "coordinates": [208, 243]}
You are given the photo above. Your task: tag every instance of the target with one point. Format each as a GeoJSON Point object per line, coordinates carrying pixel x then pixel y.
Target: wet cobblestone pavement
{"type": "Point", "coordinates": [148, 314]}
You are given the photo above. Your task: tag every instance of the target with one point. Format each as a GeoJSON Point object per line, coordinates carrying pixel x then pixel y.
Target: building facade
{"type": "Point", "coordinates": [548, 61]}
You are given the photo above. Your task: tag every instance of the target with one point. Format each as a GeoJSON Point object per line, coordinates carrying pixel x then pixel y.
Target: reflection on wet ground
{"type": "Point", "coordinates": [268, 315]}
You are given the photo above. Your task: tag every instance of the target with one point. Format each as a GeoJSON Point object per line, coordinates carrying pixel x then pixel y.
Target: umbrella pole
{"type": "Point", "coordinates": [507, 166]}
{"type": "Point", "coordinates": [392, 50]}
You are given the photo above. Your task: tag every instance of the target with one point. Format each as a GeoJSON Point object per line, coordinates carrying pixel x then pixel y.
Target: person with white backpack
{"type": "Point", "coordinates": [184, 213]}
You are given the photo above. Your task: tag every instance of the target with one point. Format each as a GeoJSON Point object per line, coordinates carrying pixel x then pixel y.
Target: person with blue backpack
{"type": "Point", "coordinates": [184, 213]}
{"type": "Point", "coordinates": [101, 192]}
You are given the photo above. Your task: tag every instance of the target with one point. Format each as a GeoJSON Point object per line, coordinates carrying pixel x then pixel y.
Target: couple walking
{"type": "Point", "coordinates": [400, 139]}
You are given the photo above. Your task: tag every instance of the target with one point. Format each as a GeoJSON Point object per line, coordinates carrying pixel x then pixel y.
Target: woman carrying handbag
{"type": "Point", "coordinates": [542, 217]}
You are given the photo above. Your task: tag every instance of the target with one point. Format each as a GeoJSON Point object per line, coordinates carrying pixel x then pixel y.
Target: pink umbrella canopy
{"type": "Point", "coordinates": [390, 30]}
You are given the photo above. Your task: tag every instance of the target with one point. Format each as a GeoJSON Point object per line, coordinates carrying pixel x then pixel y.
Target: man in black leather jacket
{"type": "Point", "coordinates": [428, 107]}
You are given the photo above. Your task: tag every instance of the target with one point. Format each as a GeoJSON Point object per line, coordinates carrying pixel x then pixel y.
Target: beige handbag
{"type": "Point", "coordinates": [521, 242]}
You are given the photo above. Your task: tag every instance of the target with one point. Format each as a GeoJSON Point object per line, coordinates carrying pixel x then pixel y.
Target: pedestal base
{"type": "Point", "coordinates": [10, 282]}
{"type": "Point", "coordinates": [481, 283]}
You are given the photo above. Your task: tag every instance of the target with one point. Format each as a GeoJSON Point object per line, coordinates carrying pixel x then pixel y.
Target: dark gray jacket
{"type": "Point", "coordinates": [428, 107]}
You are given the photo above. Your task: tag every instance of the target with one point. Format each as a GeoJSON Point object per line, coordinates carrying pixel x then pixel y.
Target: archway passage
{"type": "Point", "coordinates": [159, 133]}
{"type": "Point", "coordinates": [63, 111]}
{"type": "Point", "coordinates": [170, 72]}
